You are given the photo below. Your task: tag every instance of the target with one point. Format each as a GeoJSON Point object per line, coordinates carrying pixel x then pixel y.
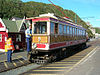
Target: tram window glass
{"type": "Point", "coordinates": [65, 29]}
{"type": "Point", "coordinates": [40, 28]}
{"type": "Point", "coordinates": [52, 27]}
{"type": "Point", "coordinates": [81, 32]}
{"type": "Point", "coordinates": [84, 32]}
{"type": "Point", "coordinates": [56, 28]}
{"type": "Point", "coordinates": [77, 31]}
{"type": "Point", "coordinates": [60, 29]}
{"type": "Point", "coordinates": [73, 31]}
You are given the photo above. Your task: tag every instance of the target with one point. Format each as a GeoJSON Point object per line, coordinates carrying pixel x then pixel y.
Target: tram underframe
{"type": "Point", "coordinates": [54, 55]}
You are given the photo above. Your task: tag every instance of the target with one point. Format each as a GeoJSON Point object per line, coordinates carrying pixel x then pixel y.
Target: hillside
{"type": "Point", "coordinates": [17, 8]}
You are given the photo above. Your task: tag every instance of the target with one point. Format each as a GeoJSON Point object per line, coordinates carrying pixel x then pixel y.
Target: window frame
{"type": "Point", "coordinates": [39, 28]}
{"type": "Point", "coordinates": [56, 28]}
{"type": "Point", "coordinates": [73, 31]}
{"type": "Point", "coordinates": [65, 29]}
{"type": "Point", "coordinates": [1, 38]}
{"type": "Point", "coordinates": [68, 31]}
{"type": "Point", "coordinates": [52, 28]}
{"type": "Point", "coordinates": [19, 37]}
{"type": "Point", "coordinates": [60, 29]}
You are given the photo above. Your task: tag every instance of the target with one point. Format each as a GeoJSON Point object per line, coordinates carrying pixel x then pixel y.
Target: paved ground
{"type": "Point", "coordinates": [86, 62]}
{"type": "Point", "coordinates": [90, 66]}
{"type": "Point", "coordinates": [15, 55]}
{"type": "Point", "coordinates": [19, 59]}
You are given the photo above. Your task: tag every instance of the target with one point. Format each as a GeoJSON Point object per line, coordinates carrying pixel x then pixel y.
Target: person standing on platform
{"type": "Point", "coordinates": [28, 34]}
{"type": "Point", "coordinates": [10, 48]}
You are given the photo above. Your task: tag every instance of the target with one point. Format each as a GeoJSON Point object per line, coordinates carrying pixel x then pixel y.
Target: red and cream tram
{"type": "Point", "coordinates": [52, 33]}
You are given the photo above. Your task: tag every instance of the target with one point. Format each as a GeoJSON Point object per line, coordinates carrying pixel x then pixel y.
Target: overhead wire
{"type": "Point", "coordinates": [62, 11]}
{"type": "Point", "coordinates": [58, 9]}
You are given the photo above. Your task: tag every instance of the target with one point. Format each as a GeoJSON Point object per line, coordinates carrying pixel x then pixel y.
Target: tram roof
{"type": "Point", "coordinates": [58, 18]}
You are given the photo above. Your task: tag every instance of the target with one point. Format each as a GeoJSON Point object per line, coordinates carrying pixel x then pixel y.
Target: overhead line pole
{"type": "Point", "coordinates": [58, 9]}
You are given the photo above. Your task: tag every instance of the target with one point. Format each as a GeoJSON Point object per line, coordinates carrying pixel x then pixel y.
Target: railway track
{"type": "Point", "coordinates": [67, 64]}
{"type": "Point", "coordinates": [5, 66]}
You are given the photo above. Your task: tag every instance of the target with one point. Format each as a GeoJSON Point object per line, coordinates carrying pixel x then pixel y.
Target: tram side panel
{"type": "Point", "coordinates": [59, 41]}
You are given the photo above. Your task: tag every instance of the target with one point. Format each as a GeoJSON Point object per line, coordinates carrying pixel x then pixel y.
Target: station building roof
{"type": "Point", "coordinates": [13, 26]}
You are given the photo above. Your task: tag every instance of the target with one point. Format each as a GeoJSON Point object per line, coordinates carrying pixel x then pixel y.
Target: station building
{"type": "Point", "coordinates": [15, 29]}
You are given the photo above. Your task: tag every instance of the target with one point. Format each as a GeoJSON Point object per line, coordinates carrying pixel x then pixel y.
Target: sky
{"type": "Point", "coordinates": [87, 10]}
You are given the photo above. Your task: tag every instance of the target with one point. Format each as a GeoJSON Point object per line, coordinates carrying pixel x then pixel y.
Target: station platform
{"type": "Point", "coordinates": [89, 66]}
{"type": "Point", "coordinates": [18, 59]}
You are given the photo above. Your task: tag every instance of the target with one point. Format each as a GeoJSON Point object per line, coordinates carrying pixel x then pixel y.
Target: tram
{"type": "Point", "coordinates": [52, 35]}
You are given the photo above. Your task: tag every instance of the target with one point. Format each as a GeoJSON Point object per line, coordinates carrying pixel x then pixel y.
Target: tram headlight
{"type": "Point", "coordinates": [34, 46]}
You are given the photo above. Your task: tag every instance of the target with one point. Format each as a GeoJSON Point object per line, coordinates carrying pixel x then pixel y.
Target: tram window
{"type": "Point", "coordinates": [40, 28]}
{"type": "Point", "coordinates": [60, 29]}
{"type": "Point", "coordinates": [84, 33]}
{"type": "Point", "coordinates": [65, 29]}
{"type": "Point", "coordinates": [52, 27]}
{"type": "Point", "coordinates": [79, 31]}
{"type": "Point", "coordinates": [75, 31]}
{"type": "Point", "coordinates": [71, 30]}
{"type": "Point", "coordinates": [56, 28]}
